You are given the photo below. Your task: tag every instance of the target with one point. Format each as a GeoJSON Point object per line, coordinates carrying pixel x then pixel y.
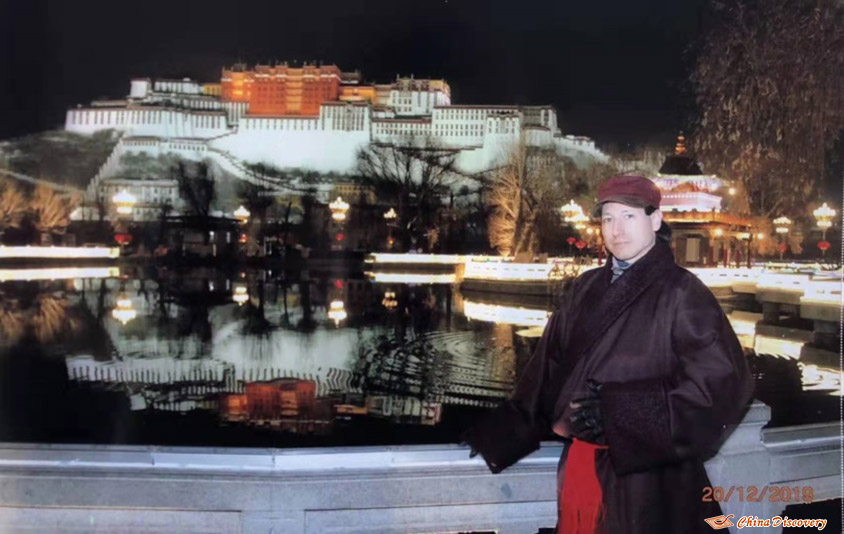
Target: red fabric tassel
{"type": "Point", "coordinates": [580, 506]}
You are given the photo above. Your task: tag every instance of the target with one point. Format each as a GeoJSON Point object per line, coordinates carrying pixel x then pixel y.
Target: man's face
{"type": "Point", "coordinates": [628, 233]}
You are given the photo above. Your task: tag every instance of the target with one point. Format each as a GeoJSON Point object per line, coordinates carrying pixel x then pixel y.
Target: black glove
{"type": "Point", "coordinates": [585, 420]}
{"type": "Point", "coordinates": [465, 441]}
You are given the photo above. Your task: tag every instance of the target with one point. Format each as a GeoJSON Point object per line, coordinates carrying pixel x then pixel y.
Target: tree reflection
{"type": "Point", "coordinates": [43, 316]}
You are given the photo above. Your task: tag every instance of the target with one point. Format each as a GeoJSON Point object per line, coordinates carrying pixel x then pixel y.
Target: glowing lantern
{"type": "Point", "coordinates": [337, 311]}
{"type": "Point", "coordinates": [241, 295]}
{"type": "Point", "coordinates": [242, 214]}
{"type": "Point", "coordinates": [338, 209]}
{"type": "Point", "coordinates": [124, 201]}
{"type": "Point", "coordinates": [123, 311]}
{"type": "Point", "coordinates": [123, 239]}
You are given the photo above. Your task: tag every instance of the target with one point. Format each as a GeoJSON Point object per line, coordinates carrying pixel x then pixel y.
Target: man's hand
{"type": "Point", "coordinates": [585, 420]}
{"type": "Point", "coordinates": [466, 441]}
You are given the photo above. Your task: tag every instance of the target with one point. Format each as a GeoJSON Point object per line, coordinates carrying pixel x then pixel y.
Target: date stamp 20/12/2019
{"type": "Point", "coordinates": [782, 494]}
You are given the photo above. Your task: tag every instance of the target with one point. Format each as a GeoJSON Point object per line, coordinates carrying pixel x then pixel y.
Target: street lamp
{"type": "Point", "coordinates": [573, 214]}
{"type": "Point", "coordinates": [782, 225]}
{"type": "Point", "coordinates": [570, 210]}
{"type": "Point", "coordinates": [389, 300]}
{"type": "Point", "coordinates": [579, 221]}
{"type": "Point", "coordinates": [390, 216]}
{"type": "Point", "coordinates": [240, 295]}
{"type": "Point", "coordinates": [123, 311]}
{"type": "Point", "coordinates": [338, 209]}
{"type": "Point", "coordinates": [125, 201]}
{"type": "Point", "coordinates": [824, 215]}
{"type": "Point", "coordinates": [242, 214]}
{"type": "Point", "coordinates": [337, 311]}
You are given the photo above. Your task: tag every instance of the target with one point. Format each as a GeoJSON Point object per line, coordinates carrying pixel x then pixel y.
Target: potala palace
{"type": "Point", "coordinates": [309, 117]}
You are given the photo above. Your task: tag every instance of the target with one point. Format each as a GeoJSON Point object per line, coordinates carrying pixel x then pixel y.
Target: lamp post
{"type": "Point", "coordinates": [572, 214]}
{"type": "Point", "coordinates": [124, 202]}
{"type": "Point", "coordinates": [782, 225]}
{"type": "Point", "coordinates": [570, 210]}
{"type": "Point", "coordinates": [390, 216]}
{"type": "Point", "coordinates": [338, 208]}
{"type": "Point", "coordinates": [242, 214]}
{"type": "Point", "coordinates": [337, 311]}
{"type": "Point", "coordinates": [824, 216]}
{"type": "Point", "coordinates": [124, 311]}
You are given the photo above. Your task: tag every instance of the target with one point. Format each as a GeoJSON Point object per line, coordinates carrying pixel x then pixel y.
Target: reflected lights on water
{"type": "Point", "coordinates": [411, 278]}
{"type": "Point", "coordinates": [58, 273]}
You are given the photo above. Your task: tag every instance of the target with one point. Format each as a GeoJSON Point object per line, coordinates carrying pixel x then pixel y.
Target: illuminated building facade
{"type": "Point", "coordinates": [311, 117]}
{"type": "Point", "coordinates": [703, 233]}
{"type": "Point", "coordinates": [281, 89]}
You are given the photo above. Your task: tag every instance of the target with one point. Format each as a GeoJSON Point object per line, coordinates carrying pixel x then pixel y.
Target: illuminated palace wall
{"type": "Point", "coordinates": [281, 90]}
{"type": "Point", "coordinates": [318, 117]}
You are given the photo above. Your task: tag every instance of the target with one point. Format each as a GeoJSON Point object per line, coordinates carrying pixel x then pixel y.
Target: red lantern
{"type": "Point", "coordinates": [782, 247]}
{"type": "Point", "coordinates": [571, 240]}
{"type": "Point", "coordinates": [338, 284]}
{"type": "Point", "coordinates": [243, 238]}
{"type": "Point", "coordinates": [823, 245]}
{"type": "Point", "coordinates": [340, 237]}
{"type": "Point", "coordinates": [123, 239]}
{"type": "Point", "coordinates": [580, 245]}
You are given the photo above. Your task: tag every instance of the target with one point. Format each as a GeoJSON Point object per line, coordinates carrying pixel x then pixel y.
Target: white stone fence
{"type": "Point", "coordinates": [421, 489]}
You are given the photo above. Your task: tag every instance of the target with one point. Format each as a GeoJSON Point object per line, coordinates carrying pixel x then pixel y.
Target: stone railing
{"type": "Point", "coordinates": [401, 489]}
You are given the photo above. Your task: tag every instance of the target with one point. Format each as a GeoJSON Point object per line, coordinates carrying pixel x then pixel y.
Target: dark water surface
{"type": "Point", "coordinates": [263, 359]}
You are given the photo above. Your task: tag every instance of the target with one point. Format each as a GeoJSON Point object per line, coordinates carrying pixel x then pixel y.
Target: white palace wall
{"type": "Point", "coordinates": [330, 141]}
{"type": "Point", "coordinates": [148, 121]}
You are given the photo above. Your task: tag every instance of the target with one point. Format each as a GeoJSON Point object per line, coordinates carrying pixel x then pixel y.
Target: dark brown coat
{"type": "Point", "coordinates": [674, 380]}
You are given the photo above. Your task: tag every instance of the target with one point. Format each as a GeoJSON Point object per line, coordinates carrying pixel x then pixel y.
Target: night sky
{"type": "Point", "coordinates": [615, 70]}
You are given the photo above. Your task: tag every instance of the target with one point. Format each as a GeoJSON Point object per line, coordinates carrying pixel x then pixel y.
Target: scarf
{"type": "Point", "coordinates": [580, 504]}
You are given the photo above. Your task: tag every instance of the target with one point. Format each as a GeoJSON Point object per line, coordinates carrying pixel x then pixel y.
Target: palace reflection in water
{"type": "Point", "coordinates": [257, 358]}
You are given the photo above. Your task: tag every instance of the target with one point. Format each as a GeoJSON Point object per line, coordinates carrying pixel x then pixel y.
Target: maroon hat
{"type": "Point", "coordinates": [636, 191]}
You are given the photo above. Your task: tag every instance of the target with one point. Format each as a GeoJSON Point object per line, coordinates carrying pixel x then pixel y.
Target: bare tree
{"type": "Point", "coordinates": [769, 85]}
{"type": "Point", "coordinates": [532, 181]}
{"type": "Point", "coordinates": [12, 206]}
{"type": "Point", "coordinates": [415, 176]}
{"type": "Point", "coordinates": [51, 210]}
{"type": "Point", "coordinates": [256, 199]}
{"type": "Point", "coordinates": [196, 187]}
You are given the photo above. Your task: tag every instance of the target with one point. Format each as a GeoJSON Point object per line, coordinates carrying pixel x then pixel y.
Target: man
{"type": "Point", "coordinates": [641, 370]}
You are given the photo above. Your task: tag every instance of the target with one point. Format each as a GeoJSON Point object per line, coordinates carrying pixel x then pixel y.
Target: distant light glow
{"type": "Point", "coordinates": [505, 314]}
{"type": "Point", "coordinates": [242, 214]}
{"type": "Point", "coordinates": [124, 312]}
{"type": "Point", "coordinates": [433, 259]}
{"type": "Point", "coordinates": [338, 209]}
{"type": "Point", "coordinates": [240, 295]}
{"type": "Point", "coordinates": [58, 273]}
{"type": "Point", "coordinates": [815, 378]}
{"type": "Point", "coordinates": [521, 272]}
{"type": "Point", "coordinates": [59, 252]}
{"type": "Point", "coordinates": [124, 201]}
{"type": "Point", "coordinates": [411, 278]}
{"type": "Point", "coordinates": [337, 311]}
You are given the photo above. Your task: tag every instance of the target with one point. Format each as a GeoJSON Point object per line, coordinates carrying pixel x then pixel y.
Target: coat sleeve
{"type": "Point", "coordinates": [514, 429]}
{"type": "Point", "coordinates": [657, 421]}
